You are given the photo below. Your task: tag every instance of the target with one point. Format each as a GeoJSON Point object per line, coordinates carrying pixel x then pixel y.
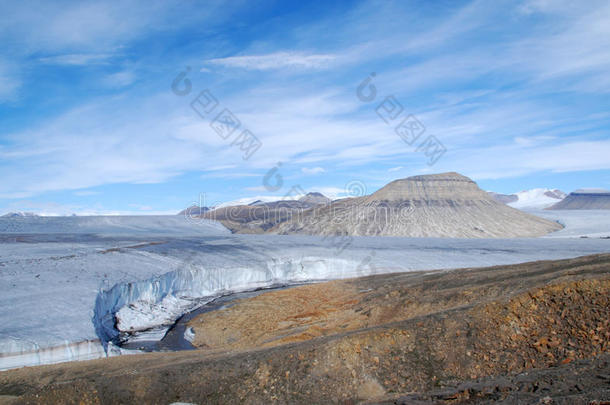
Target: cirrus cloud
{"type": "Point", "coordinates": [275, 60]}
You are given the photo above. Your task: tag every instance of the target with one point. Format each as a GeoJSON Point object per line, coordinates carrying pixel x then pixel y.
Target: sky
{"type": "Point", "coordinates": [146, 107]}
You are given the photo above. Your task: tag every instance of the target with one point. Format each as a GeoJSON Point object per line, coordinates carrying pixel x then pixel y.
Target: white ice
{"type": "Point", "coordinates": [68, 283]}
{"type": "Point", "coordinates": [578, 223]}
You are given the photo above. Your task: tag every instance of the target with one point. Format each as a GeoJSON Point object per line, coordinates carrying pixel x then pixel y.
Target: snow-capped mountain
{"type": "Point", "coordinates": [529, 199]}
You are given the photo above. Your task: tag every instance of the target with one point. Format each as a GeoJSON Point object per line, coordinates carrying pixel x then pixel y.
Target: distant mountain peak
{"type": "Point", "coordinates": [315, 198]}
{"type": "Point", "coordinates": [536, 198]}
{"type": "Point", "coordinates": [19, 214]}
{"type": "Point", "coordinates": [194, 210]}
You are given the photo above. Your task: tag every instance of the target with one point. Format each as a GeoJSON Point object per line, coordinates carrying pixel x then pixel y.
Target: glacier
{"type": "Point", "coordinates": [578, 223]}
{"type": "Point", "coordinates": [77, 288]}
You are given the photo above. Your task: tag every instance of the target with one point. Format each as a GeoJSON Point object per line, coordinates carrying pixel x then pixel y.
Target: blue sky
{"type": "Point", "coordinates": [518, 93]}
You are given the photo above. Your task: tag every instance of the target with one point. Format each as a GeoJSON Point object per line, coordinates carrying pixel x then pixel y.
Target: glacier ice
{"type": "Point", "coordinates": [578, 223]}
{"type": "Point", "coordinates": [189, 334]}
{"type": "Point", "coordinates": [73, 290]}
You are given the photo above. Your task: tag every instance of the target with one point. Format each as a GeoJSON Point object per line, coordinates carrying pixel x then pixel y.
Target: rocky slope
{"type": "Point", "coordinates": [503, 198]}
{"type": "Point", "coordinates": [529, 333]}
{"type": "Point", "coordinates": [439, 205]}
{"type": "Point", "coordinates": [585, 199]}
{"type": "Point", "coordinates": [194, 211]}
{"type": "Point", "coordinates": [259, 216]}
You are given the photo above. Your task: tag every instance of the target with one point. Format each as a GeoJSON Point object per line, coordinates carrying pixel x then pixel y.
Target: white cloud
{"type": "Point", "coordinates": [9, 82]}
{"type": "Point", "coordinates": [77, 59]}
{"type": "Point", "coordinates": [86, 193]}
{"type": "Point", "coordinates": [395, 169]}
{"type": "Point", "coordinates": [545, 6]}
{"type": "Point", "coordinates": [40, 26]}
{"type": "Point", "coordinates": [331, 192]}
{"type": "Point", "coordinates": [141, 207]}
{"type": "Point", "coordinates": [119, 79]}
{"type": "Point", "coordinates": [257, 189]}
{"type": "Point", "coordinates": [275, 60]}
{"type": "Point", "coordinates": [506, 161]}
{"type": "Point", "coordinates": [312, 170]}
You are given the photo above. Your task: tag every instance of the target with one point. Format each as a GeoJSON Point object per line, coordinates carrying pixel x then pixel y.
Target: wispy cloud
{"type": "Point", "coordinates": [43, 26]}
{"type": "Point", "coordinates": [312, 170]}
{"type": "Point", "coordinates": [77, 59]}
{"type": "Point", "coordinates": [119, 79]}
{"type": "Point", "coordinates": [9, 82]}
{"type": "Point", "coordinates": [275, 60]}
{"type": "Point", "coordinates": [86, 193]}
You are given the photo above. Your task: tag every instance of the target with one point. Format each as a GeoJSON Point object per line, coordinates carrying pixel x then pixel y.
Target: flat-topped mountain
{"type": "Point", "coordinates": [437, 205]}
{"type": "Point", "coordinates": [585, 199]}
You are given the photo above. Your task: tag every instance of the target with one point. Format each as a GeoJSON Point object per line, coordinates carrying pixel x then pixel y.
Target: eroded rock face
{"type": "Point", "coordinates": [439, 205]}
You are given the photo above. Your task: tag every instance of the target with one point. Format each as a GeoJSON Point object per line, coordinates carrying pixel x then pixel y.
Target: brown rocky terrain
{"type": "Point", "coordinates": [529, 333]}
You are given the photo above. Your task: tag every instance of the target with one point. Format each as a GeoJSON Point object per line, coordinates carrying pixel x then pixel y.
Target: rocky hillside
{"type": "Point", "coordinates": [259, 216]}
{"type": "Point", "coordinates": [503, 198]}
{"type": "Point", "coordinates": [585, 199]}
{"type": "Point", "coordinates": [439, 205]}
{"type": "Point", "coordinates": [194, 211]}
{"type": "Point", "coordinates": [532, 333]}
